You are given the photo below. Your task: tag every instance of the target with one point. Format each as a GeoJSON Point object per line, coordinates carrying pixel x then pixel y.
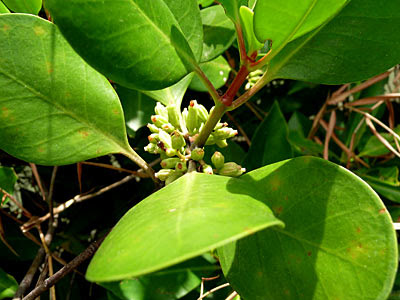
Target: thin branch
{"type": "Point", "coordinates": [106, 166]}
{"type": "Point", "coordinates": [329, 132]}
{"type": "Point", "coordinates": [255, 112]}
{"type": "Point", "coordinates": [381, 138]}
{"type": "Point", "coordinates": [16, 202]}
{"type": "Point", "coordinates": [207, 83]}
{"type": "Point", "coordinates": [51, 192]}
{"type": "Point", "coordinates": [38, 181]}
{"type": "Point", "coordinates": [232, 296]}
{"type": "Point", "coordinates": [316, 122]}
{"type": "Point", "coordinates": [343, 96]}
{"type": "Point", "coordinates": [212, 291]}
{"type": "Point", "coordinates": [77, 199]}
{"type": "Point", "coordinates": [51, 281]}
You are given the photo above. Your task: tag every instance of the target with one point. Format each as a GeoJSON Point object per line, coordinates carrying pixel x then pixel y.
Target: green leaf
{"type": "Point", "coordinates": [138, 44]}
{"type": "Point", "coordinates": [232, 8]}
{"type": "Point", "coordinates": [8, 285]}
{"type": "Point", "coordinates": [374, 147]}
{"type": "Point", "coordinates": [172, 94]}
{"type": "Point", "coordinates": [8, 178]}
{"type": "Point", "coordinates": [137, 108]}
{"type": "Point", "coordinates": [334, 224]}
{"type": "Point", "coordinates": [54, 108]}
{"type": "Point", "coordinates": [159, 231]}
{"type": "Point", "coordinates": [173, 283]}
{"type": "Point", "coordinates": [246, 19]}
{"type": "Point", "coordinates": [205, 3]}
{"type": "Point", "coordinates": [218, 31]}
{"type": "Point", "coordinates": [3, 8]}
{"type": "Point", "coordinates": [217, 72]}
{"type": "Point", "coordinates": [335, 53]}
{"type": "Point", "coordinates": [283, 21]}
{"type": "Point", "coordinates": [270, 142]}
{"type": "Point", "coordinates": [24, 6]}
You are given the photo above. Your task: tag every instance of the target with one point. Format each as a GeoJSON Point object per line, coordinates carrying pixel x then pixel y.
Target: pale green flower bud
{"type": "Point", "coordinates": [192, 120]}
{"type": "Point", "coordinates": [202, 113]}
{"type": "Point", "coordinates": [169, 163]}
{"type": "Point", "coordinates": [218, 160]}
{"type": "Point", "coordinates": [170, 152]}
{"type": "Point", "coordinates": [177, 140]}
{"type": "Point", "coordinates": [220, 125]}
{"type": "Point", "coordinates": [163, 174]}
{"type": "Point", "coordinates": [221, 143]}
{"type": "Point", "coordinates": [173, 115]}
{"type": "Point", "coordinates": [174, 176]}
{"type": "Point", "coordinates": [168, 127]}
{"type": "Point", "coordinates": [151, 148]}
{"type": "Point", "coordinates": [161, 110]}
{"type": "Point", "coordinates": [153, 128]}
{"type": "Point", "coordinates": [159, 120]}
{"type": "Point", "coordinates": [224, 133]}
{"type": "Point", "coordinates": [197, 154]}
{"type": "Point", "coordinates": [231, 169]}
{"type": "Point", "coordinates": [165, 138]}
{"type": "Point", "coordinates": [210, 140]}
{"type": "Point", "coordinates": [181, 166]}
{"type": "Point", "coordinates": [207, 169]}
{"type": "Point", "coordinates": [154, 138]}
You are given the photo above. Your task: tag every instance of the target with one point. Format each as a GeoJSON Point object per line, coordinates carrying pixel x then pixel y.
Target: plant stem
{"type": "Point", "coordinates": [230, 94]}
{"type": "Point", "coordinates": [207, 83]}
{"type": "Point", "coordinates": [132, 155]}
{"type": "Point", "coordinates": [213, 119]}
{"type": "Point", "coordinates": [240, 39]}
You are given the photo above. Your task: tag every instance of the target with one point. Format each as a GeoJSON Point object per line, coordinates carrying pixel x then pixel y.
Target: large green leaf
{"type": "Point", "coordinates": [24, 6]}
{"type": "Point", "coordinates": [138, 44]}
{"type": "Point", "coordinates": [232, 8]}
{"type": "Point", "coordinates": [8, 285]}
{"type": "Point", "coordinates": [270, 142]}
{"type": "Point", "coordinates": [189, 217]}
{"type": "Point", "coordinates": [3, 8]}
{"type": "Point", "coordinates": [219, 32]}
{"type": "Point", "coordinates": [173, 94]}
{"type": "Point", "coordinates": [8, 178]}
{"type": "Point", "coordinates": [335, 53]}
{"type": "Point", "coordinates": [338, 241]}
{"type": "Point", "coordinates": [54, 108]}
{"type": "Point", "coordinates": [217, 71]}
{"type": "Point", "coordinates": [284, 20]}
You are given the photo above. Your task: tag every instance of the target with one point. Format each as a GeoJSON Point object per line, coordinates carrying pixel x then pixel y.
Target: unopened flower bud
{"type": "Point", "coordinates": [173, 115]}
{"type": "Point", "coordinates": [177, 140]}
{"type": "Point", "coordinates": [192, 117]}
{"type": "Point", "coordinates": [163, 174]}
{"type": "Point", "coordinates": [220, 125]}
{"type": "Point", "coordinates": [153, 128]}
{"type": "Point", "coordinates": [159, 120]}
{"type": "Point", "coordinates": [221, 143]}
{"type": "Point", "coordinates": [165, 138]}
{"type": "Point", "coordinates": [202, 113]}
{"type": "Point", "coordinates": [231, 169]}
{"type": "Point", "coordinates": [151, 148]}
{"type": "Point", "coordinates": [181, 166]}
{"type": "Point", "coordinates": [218, 160]}
{"type": "Point", "coordinates": [154, 138]}
{"type": "Point", "coordinates": [168, 127]}
{"type": "Point", "coordinates": [210, 140]}
{"type": "Point", "coordinates": [161, 110]}
{"type": "Point", "coordinates": [169, 163]}
{"type": "Point", "coordinates": [174, 176]}
{"type": "Point", "coordinates": [207, 169]}
{"type": "Point", "coordinates": [170, 152]}
{"type": "Point", "coordinates": [197, 154]}
{"type": "Point", "coordinates": [224, 133]}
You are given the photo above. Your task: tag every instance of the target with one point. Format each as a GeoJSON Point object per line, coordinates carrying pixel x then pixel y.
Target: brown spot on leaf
{"type": "Point", "coordinates": [6, 27]}
{"type": "Point", "coordinates": [275, 183]}
{"type": "Point", "coordinates": [278, 210]}
{"type": "Point", "coordinates": [286, 198]}
{"type": "Point", "coordinates": [309, 253]}
{"type": "Point", "coordinates": [382, 211]}
{"type": "Point", "coordinates": [115, 111]}
{"type": "Point", "coordinates": [358, 229]}
{"type": "Point", "coordinates": [5, 112]}
{"type": "Point", "coordinates": [49, 67]}
{"type": "Point", "coordinates": [40, 149]}
{"type": "Point", "coordinates": [83, 133]}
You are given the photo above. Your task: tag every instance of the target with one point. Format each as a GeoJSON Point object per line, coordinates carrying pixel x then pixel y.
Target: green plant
{"type": "Point", "coordinates": [302, 228]}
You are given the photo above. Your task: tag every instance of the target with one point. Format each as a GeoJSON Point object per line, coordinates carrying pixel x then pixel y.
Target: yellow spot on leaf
{"type": "Point", "coordinates": [5, 112]}
{"type": "Point", "coordinates": [115, 111]}
{"type": "Point", "coordinates": [40, 149]}
{"type": "Point", "coordinates": [39, 30]}
{"type": "Point", "coordinates": [83, 133]}
{"type": "Point", "coordinates": [49, 67]}
{"type": "Point", "coordinates": [6, 27]}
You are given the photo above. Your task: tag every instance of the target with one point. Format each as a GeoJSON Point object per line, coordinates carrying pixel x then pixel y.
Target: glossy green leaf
{"type": "Point", "coordinates": [171, 284]}
{"type": "Point", "coordinates": [217, 72]}
{"type": "Point", "coordinates": [270, 142]}
{"type": "Point", "coordinates": [172, 94]}
{"type": "Point", "coordinates": [24, 6]}
{"type": "Point", "coordinates": [54, 108]}
{"type": "Point", "coordinates": [338, 241]}
{"type": "Point", "coordinates": [158, 232]}
{"type": "Point", "coordinates": [218, 30]}
{"type": "Point", "coordinates": [232, 8]}
{"type": "Point", "coordinates": [3, 8]}
{"type": "Point", "coordinates": [374, 147]}
{"type": "Point", "coordinates": [8, 285]}
{"type": "Point", "coordinates": [138, 108]}
{"type": "Point", "coordinates": [335, 53]}
{"type": "Point", "coordinates": [285, 20]}
{"type": "Point", "coordinates": [138, 44]}
{"type": "Point", "coordinates": [8, 178]}
{"type": "Point", "coordinates": [246, 20]}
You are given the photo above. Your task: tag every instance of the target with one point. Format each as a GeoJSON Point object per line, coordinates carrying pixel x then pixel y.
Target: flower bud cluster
{"type": "Point", "coordinates": [252, 78]}
{"type": "Point", "coordinates": [172, 133]}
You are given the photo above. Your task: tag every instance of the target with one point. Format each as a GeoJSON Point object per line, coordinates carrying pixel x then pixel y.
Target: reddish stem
{"type": "Point", "coordinates": [230, 94]}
